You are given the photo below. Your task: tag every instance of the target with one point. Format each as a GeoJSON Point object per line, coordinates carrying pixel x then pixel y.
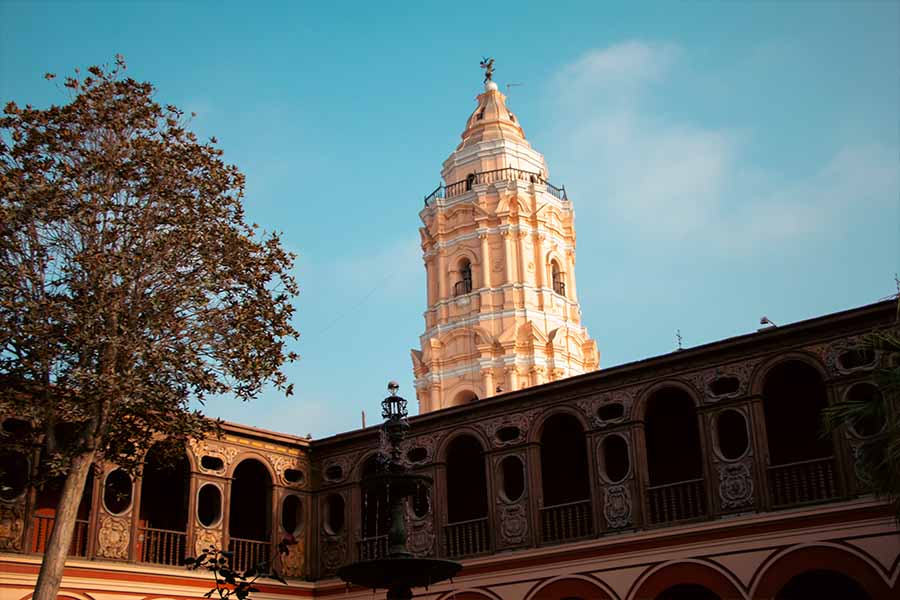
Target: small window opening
{"type": "Point", "coordinates": [417, 455]}
{"type": "Point", "coordinates": [856, 358]}
{"type": "Point", "coordinates": [292, 515]}
{"type": "Point", "coordinates": [470, 181]}
{"type": "Point", "coordinates": [512, 474]}
{"type": "Point", "coordinates": [212, 463]}
{"type": "Point", "coordinates": [464, 285]}
{"type": "Point", "coordinates": [209, 505]}
{"type": "Point", "coordinates": [508, 434]}
{"type": "Point", "coordinates": [723, 386]}
{"type": "Point", "coordinates": [732, 434]}
{"type": "Point", "coordinates": [611, 412]}
{"type": "Point", "coordinates": [559, 286]}
{"type": "Point", "coordinates": [117, 492]}
{"type": "Point", "coordinates": [334, 514]}
{"type": "Point", "coordinates": [334, 473]}
{"type": "Point", "coordinates": [615, 458]}
{"type": "Point", "coordinates": [294, 476]}
{"type": "Point", "coordinates": [13, 475]}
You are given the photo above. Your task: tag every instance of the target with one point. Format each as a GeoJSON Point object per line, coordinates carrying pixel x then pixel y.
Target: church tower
{"type": "Point", "coordinates": [498, 243]}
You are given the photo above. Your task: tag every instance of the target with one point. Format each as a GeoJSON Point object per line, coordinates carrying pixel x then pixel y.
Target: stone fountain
{"type": "Point", "coordinates": [399, 571]}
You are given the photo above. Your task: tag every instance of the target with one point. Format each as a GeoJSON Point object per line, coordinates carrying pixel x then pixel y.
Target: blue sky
{"type": "Point", "coordinates": [725, 160]}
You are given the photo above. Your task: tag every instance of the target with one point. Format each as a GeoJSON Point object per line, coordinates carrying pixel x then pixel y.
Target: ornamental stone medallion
{"type": "Point", "coordinates": [420, 532]}
{"type": "Point", "coordinates": [292, 561]}
{"type": "Point", "coordinates": [735, 485]}
{"type": "Point", "coordinates": [12, 524]}
{"type": "Point", "coordinates": [206, 538]}
{"type": "Point", "coordinates": [513, 524]}
{"type": "Point", "coordinates": [617, 506]}
{"type": "Point", "coordinates": [113, 538]}
{"type": "Point", "coordinates": [333, 554]}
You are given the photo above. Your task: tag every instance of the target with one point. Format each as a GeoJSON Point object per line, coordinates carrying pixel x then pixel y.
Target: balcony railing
{"type": "Point", "coordinates": [466, 538]}
{"type": "Point", "coordinates": [248, 553]}
{"type": "Point", "coordinates": [559, 287]}
{"type": "Point", "coordinates": [373, 547]}
{"type": "Point", "coordinates": [43, 526]}
{"type": "Point", "coordinates": [505, 174]}
{"type": "Point", "coordinates": [162, 546]}
{"type": "Point", "coordinates": [569, 521]}
{"type": "Point", "coordinates": [803, 482]}
{"type": "Point", "coordinates": [463, 287]}
{"type": "Point", "coordinates": [680, 501]}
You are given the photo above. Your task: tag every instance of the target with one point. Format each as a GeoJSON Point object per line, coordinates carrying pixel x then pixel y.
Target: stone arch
{"type": "Point", "coordinates": [242, 456]}
{"type": "Point", "coordinates": [639, 410]}
{"type": "Point", "coordinates": [780, 568]}
{"type": "Point", "coordinates": [691, 571]}
{"type": "Point", "coordinates": [441, 453]}
{"type": "Point", "coordinates": [575, 586]}
{"type": "Point", "coordinates": [357, 471]}
{"type": "Point", "coordinates": [762, 370]}
{"type": "Point", "coordinates": [537, 428]}
{"type": "Point", "coordinates": [480, 335]}
{"type": "Point", "coordinates": [469, 594]}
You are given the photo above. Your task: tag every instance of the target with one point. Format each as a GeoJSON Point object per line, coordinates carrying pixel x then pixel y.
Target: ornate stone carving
{"type": "Point", "coordinates": [419, 532]}
{"type": "Point", "coordinates": [590, 405]}
{"type": "Point", "coordinates": [204, 538]}
{"type": "Point", "coordinates": [113, 538]}
{"type": "Point", "coordinates": [281, 463]}
{"type": "Point", "coordinates": [12, 524]}
{"type": "Point", "coordinates": [202, 448]}
{"type": "Point", "coordinates": [617, 506]}
{"type": "Point", "coordinates": [334, 552]}
{"type": "Point", "coordinates": [344, 461]}
{"type": "Point", "coordinates": [513, 524]}
{"type": "Point", "coordinates": [521, 420]}
{"type": "Point", "coordinates": [428, 442]}
{"type": "Point", "coordinates": [292, 562]}
{"type": "Point", "coordinates": [742, 371]}
{"type": "Point", "coordinates": [735, 485]}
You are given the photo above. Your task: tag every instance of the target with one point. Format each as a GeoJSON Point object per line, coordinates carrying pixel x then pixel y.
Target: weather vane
{"type": "Point", "coordinates": [487, 63]}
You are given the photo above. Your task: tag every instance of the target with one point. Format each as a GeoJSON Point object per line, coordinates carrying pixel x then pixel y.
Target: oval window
{"type": "Point", "coordinates": [292, 515]}
{"type": "Point", "coordinates": [334, 473]}
{"type": "Point", "coordinates": [212, 463]}
{"type": "Point", "coordinates": [294, 476]}
{"type": "Point", "coordinates": [611, 412]}
{"type": "Point", "coordinates": [731, 430]}
{"type": "Point", "coordinates": [421, 503]}
{"type": "Point", "coordinates": [615, 458]}
{"type": "Point", "coordinates": [724, 386]}
{"type": "Point", "coordinates": [334, 514]}
{"type": "Point", "coordinates": [856, 358]}
{"type": "Point", "coordinates": [417, 455]}
{"type": "Point", "coordinates": [209, 505]}
{"type": "Point", "coordinates": [512, 475]}
{"type": "Point", "coordinates": [508, 434]}
{"type": "Point", "coordinates": [117, 492]}
{"type": "Point", "coordinates": [13, 475]}
{"type": "Point", "coordinates": [870, 395]}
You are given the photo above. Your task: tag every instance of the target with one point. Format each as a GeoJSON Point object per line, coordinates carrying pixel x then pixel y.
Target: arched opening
{"type": "Point", "coordinates": [44, 515]}
{"type": "Point", "coordinates": [291, 517]}
{"type": "Point", "coordinates": [821, 583]}
{"type": "Point", "coordinates": [165, 484]}
{"type": "Point", "coordinates": [674, 458]}
{"type": "Point", "coordinates": [250, 514]}
{"type": "Point", "coordinates": [511, 475]}
{"type": "Point", "coordinates": [570, 589]}
{"type": "Point", "coordinates": [117, 492]}
{"type": "Point", "coordinates": [466, 532]}
{"type": "Point", "coordinates": [566, 512]}
{"type": "Point", "coordinates": [464, 284]}
{"type": "Point", "coordinates": [616, 463]}
{"type": "Point", "coordinates": [209, 504]}
{"type": "Point", "coordinates": [731, 434]}
{"type": "Point", "coordinates": [375, 519]}
{"type": "Point", "coordinates": [464, 397]}
{"type": "Point", "coordinates": [470, 178]}
{"type": "Point", "coordinates": [801, 459]}
{"type": "Point", "coordinates": [556, 276]}
{"type": "Point", "coordinates": [334, 514]}
{"type": "Point", "coordinates": [688, 580]}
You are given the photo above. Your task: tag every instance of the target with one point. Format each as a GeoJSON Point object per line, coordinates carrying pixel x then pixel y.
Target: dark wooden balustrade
{"type": "Point", "coordinates": [42, 526]}
{"type": "Point", "coordinates": [466, 538]}
{"type": "Point", "coordinates": [506, 174]}
{"type": "Point", "coordinates": [803, 482]}
{"type": "Point", "coordinates": [462, 287]}
{"type": "Point", "coordinates": [248, 553]}
{"type": "Point", "coordinates": [680, 501]}
{"type": "Point", "coordinates": [569, 521]}
{"type": "Point", "coordinates": [371, 548]}
{"type": "Point", "coordinates": [162, 546]}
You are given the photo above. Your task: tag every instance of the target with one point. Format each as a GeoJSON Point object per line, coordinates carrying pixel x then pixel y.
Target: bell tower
{"type": "Point", "coordinates": [498, 241]}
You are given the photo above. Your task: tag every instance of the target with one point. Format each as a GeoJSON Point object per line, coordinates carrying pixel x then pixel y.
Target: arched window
{"type": "Point", "coordinates": [464, 285]}
{"type": "Point", "coordinates": [250, 514]}
{"type": "Point", "coordinates": [822, 584]}
{"type": "Point", "coordinates": [565, 480]}
{"type": "Point", "coordinates": [559, 286]}
{"type": "Point", "coordinates": [466, 532]}
{"type": "Point", "coordinates": [674, 458]}
{"type": "Point", "coordinates": [470, 178]}
{"type": "Point", "coordinates": [376, 514]}
{"type": "Point", "coordinates": [165, 484]}
{"type": "Point", "coordinates": [801, 462]}
{"type": "Point", "coordinates": [464, 397]}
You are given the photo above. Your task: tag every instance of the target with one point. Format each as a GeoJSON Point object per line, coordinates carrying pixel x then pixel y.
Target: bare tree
{"type": "Point", "coordinates": [130, 283]}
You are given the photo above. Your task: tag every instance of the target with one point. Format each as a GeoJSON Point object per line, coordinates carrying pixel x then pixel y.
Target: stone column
{"type": "Point", "coordinates": [487, 378]}
{"type": "Point", "coordinates": [485, 260]}
{"type": "Point", "coordinates": [435, 391]}
{"type": "Point", "coordinates": [570, 276]}
{"type": "Point", "coordinates": [512, 378]}
{"type": "Point", "coordinates": [510, 256]}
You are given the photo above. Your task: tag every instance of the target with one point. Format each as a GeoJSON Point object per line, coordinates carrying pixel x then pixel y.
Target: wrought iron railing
{"type": "Point", "coordinates": [466, 538]}
{"type": "Point", "coordinates": [680, 501]}
{"type": "Point", "coordinates": [559, 287]}
{"type": "Point", "coordinates": [373, 547]}
{"type": "Point", "coordinates": [803, 482]}
{"type": "Point", "coordinates": [505, 174]}
{"type": "Point", "coordinates": [42, 526]}
{"type": "Point", "coordinates": [162, 546]}
{"type": "Point", "coordinates": [568, 521]}
{"type": "Point", "coordinates": [248, 553]}
{"type": "Point", "coordinates": [463, 287]}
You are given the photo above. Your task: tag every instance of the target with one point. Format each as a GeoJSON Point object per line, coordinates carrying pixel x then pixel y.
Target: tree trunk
{"type": "Point", "coordinates": [54, 562]}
